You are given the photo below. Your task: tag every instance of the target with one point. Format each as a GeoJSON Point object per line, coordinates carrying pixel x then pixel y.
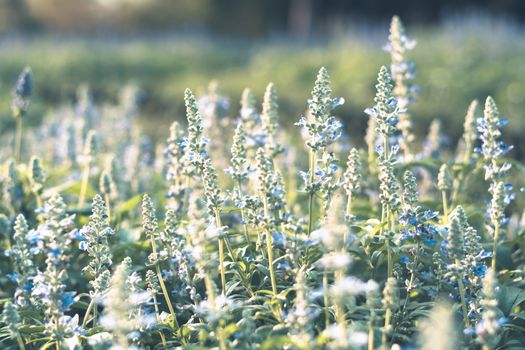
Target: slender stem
{"type": "Point", "coordinates": [445, 207]}
{"type": "Point", "coordinates": [38, 200]}
{"type": "Point", "coordinates": [384, 339]}
{"type": "Point", "coordinates": [84, 185]}
{"type": "Point", "coordinates": [339, 306]}
{"type": "Point", "coordinates": [108, 207]}
{"type": "Point", "coordinates": [94, 314]}
{"type": "Point", "coordinates": [385, 214]}
{"type": "Point", "coordinates": [269, 247]}
{"type": "Point", "coordinates": [270, 261]}
{"type": "Point", "coordinates": [495, 245]}
{"type": "Point", "coordinates": [88, 311]}
{"type": "Point", "coordinates": [39, 204]}
{"type": "Point", "coordinates": [218, 222]}
{"type": "Point", "coordinates": [156, 307]}
{"type": "Point", "coordinates": [348, 214]}
{"type": "Point", "coordinates": [221, 265]}
{"type": "Point", "coordinates": [349, 205]}
{"type": "Point", "coordinates": [370, 337]}
{"type": "Point", "coordinates": [18, 139]}
{"type": "Point", "coordinates": [209, 288]}
{"type": "Point", "coordinates": [243, 217]}
{"type": "Point", "coordinates": [175, 323]}
{"type": "Point", "coordinates": [387, 243]}
{"type": "Point", "coordinates": [462, 296]}
{"type": "Point", "coordinates": [222, 340]}
{"type": "Point", "coordinates": [20, 341]}
{"type": "Point", "coordinates": [412, 277]}
{"type": "Point", "coordinates": [389, 257]}
{"type": "Point", "coordinates": [311, 198]}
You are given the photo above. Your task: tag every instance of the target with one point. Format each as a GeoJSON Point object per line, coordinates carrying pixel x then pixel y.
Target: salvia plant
{"type": "Point", "coordinates": [111, 239]}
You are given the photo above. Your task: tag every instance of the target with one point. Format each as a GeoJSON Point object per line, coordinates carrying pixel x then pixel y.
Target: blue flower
{"type": "Point", "coordinates": [83, 245]}
{"type": "Point", "coordinates": [278, 238]}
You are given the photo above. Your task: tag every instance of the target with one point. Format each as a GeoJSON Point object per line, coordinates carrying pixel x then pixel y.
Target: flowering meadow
{"type": "Point", "coordinates": [237, 233]}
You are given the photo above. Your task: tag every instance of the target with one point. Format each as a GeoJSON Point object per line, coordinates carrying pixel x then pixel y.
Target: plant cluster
{"type": "Point", "coordinates": [210, 239]}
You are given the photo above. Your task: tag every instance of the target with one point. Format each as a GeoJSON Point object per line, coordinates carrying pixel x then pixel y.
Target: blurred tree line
{"type": "Point", "coordinates": [226, 17]}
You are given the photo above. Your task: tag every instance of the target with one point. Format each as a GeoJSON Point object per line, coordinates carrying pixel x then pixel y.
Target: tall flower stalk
{"type": "Point", "coordinates": [49, 290]}
{"type": "Point", "coordinates": [177, 172]}
{"type": "Point", "coordinates": [22, 253]}
{"type": "Point", "coordinates": [385, 113]}
{"type": "Point", "coordinates": [322, 129]}
{"type": "Point", "coordinates": [456, 251]}
{"type": "Point", "coordinates": [151, 230]}
{"type": "Point", "coordinates": [270, 123]}
{"type": "Point", "coordinates": [403, 73]}
{"type": "Point", "coordinates": [352, 179]}
{"type": "Point", "coordinates": [264, 189]}
{"type": "Point", "coordinates": [489, 326]}
{"type": "Point", "coordinates": [493, 149]}
{"type": "Point", "coordinates": [239, 172]}
{"type": "Point", "coordinates": [94, 241]}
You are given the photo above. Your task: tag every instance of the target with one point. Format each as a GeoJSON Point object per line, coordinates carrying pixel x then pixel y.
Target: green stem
{"type": "Point", "coordinates": [384, 339]}
{"type": "Point", "coordinates": [243, 217]}
{"type": "Point", "coordinates": [270, 261]}
{"type": "Point", "coordinates": [462, 296]}
{"type": "Point", "coordinates": [209, 288]}
{"type": "Point", "coordinates": [108, 207]}
{"type": "Point", "coordinates": [371, 333]}
{"type": "Point", "coordinates": [18, 139]}
{"type": "Point", "coordinates": [495, 245]}
{"type": "Point", "coordinates": [445, 207]}
{"type": "Point", "coordinates": [269, 247]}
{"type": "Point", "coordinates": [88, 311]}
{"type": "Point", "coordinates": [39, 204]}
{"type": "Point", "coordinates": [84, 185]}
{"type": "Point", "coordinates": [311, 198]}
{"type": "Point", "coordinates": [38, 200]}
{"type": "Point", "coordinates": [338, 304]}
{"type": "Point", "coordinates": [20, 341]}
{"type": "Point", "coordinates": [175, 323]}
{"type": "Point", "coordinates": [222, 340]}
{"type": "Point", "coordinates": [390, 263]}
{"type": "Point", "coordinates": [218, 222]}
{"type": "Point", "coordinates": [349, 205]}
{"type": "Point", "coordinates": [156, 307]}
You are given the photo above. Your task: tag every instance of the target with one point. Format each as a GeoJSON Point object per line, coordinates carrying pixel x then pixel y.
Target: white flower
{"type": "Point", "coordinates": [351, 286]}
{"type": "Point", "coordinates": [336, 261]}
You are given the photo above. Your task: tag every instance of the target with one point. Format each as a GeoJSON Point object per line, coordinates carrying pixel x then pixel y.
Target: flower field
{"type": "Point", "coordinates": [238, 230]}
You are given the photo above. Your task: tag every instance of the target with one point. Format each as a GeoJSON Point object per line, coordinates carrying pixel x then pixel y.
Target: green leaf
{"type": "Point", "coordinates": [509, 298]}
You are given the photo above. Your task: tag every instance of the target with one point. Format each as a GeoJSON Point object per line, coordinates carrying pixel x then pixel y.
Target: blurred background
{"type": "Point", "coordinates": [466, 50]}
